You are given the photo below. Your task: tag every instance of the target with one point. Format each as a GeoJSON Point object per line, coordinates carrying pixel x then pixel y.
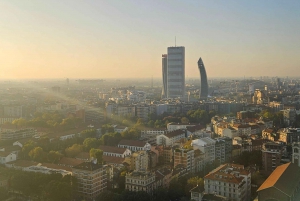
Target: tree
{"type": "Point", "coordinates": [3, 193]}
{"type": "Point", "coordinates": [27, 148]}
{"type": "Point", "coordinates": [20, 122]}
{"type": "Point", "coordinates": [37, 154]}
{"type": "Point", "coordinates": [185, 120]}
{"type": "Point", "coordinates": [97, 154]}
{"type": "Point", "coordinates": [74, 150]}
{"type": "Point", "coordinates": [89, 143]}
{"type": "Point", "coordinates": [89, 133]}
{"type": "Point", "coordinates": [54, 156]}
{"type": "Point", "coordinates": [193, 182]}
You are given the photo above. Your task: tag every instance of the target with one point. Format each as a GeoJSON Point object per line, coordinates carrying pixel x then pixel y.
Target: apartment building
{"type": "Point", "coordinates": [223, 149]}
{"type": "Point", "coordinates": [115, 151]}
{"type": "Point", "coordinates": [140, 181]}
{"type": "Point", "coordinates": [185, 157]}
{"type": "Point", "coordinates": [207, 146]}
{"type": "Point", "coordinates": [229, 180]}
{"type": "Point", "coordinates": [12, 134]}
{"type": "Point", "coordinates": [170, 138]}
{"type": "Point", "coordinates": [139, 161]}
{"type": "Point", "coordinates": [271, 156]}
{"type": "Point", "coordinates": [92, 179]}
{"type": "Point", "coordinates": [134, 145]}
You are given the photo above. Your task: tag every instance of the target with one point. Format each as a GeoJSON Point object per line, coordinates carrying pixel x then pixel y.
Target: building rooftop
{"type": "Point", "coordinates": [134, 143]}
{"type": "Point", "coordinates": [112, 159]}
{"type": "Point", "coordinates": [285, 178]}
{"type": "Point", "coordinates": [229, 173]}
{"type": "Point", "coordinates": [112, 149]}
{"type": "Point", "coordinates": [198, 189]}
{"type": "Point", "coordinates": [22, 163]}
{"type": "Point", "coordinates": [174, 133]}
{"type": "Point", "coordinates": [89, 166]}
{"type": "Point", "coordinates": [69, 161]}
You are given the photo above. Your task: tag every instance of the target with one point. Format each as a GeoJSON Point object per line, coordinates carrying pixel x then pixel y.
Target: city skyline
{"type": "Point", "coordinates": [124, 40]}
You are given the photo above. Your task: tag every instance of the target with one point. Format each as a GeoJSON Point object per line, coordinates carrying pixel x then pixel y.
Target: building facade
{"type": "Point", "coordinates": [203, 79]}
{"type": "Point", "coordinates": [176, 72]}
{"type": "Point", "coordinates": [229, 180]}
{"type": "Point", "coordinates": [92, 179]}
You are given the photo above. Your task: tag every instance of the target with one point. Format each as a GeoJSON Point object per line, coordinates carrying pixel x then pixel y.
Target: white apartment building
{"type": "Point", "coordinates": [115, 151]}
{"type": "Point", "coordinates": [170, 138]}
{"type": "Point", "coordinates": [134, 145]}
{"type": "Point", "coordinates": [177, 126]}
{"type": "Point", "coordinates": [207, 146]}
{"type": "Point", "coordinates": [151, 134]}
{"type": "Point", "coordinates": [229, 180]}
{"type": "Point", "coordinates": [140, 181]}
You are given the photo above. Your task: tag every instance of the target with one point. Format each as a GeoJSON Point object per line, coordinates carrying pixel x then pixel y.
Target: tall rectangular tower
{"type": "Point", "coordinates": [176, 72]}
{"type": "Point", "coordinates": [164, 74]}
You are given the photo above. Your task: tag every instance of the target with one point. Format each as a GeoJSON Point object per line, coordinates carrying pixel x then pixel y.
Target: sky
{"type": "Point", "coordinates": [126, 38]}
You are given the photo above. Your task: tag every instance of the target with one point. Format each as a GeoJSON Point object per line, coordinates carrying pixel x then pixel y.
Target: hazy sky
{"type": "Point", "coordinates": [125, 38]}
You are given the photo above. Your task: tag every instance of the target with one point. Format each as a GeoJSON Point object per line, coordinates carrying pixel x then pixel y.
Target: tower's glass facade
{"type": "Point", "coordinates": [203, 79]}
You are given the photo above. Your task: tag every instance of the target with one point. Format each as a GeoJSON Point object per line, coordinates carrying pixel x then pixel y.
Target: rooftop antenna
{"type": "Point", "coordinates": [175, 41]}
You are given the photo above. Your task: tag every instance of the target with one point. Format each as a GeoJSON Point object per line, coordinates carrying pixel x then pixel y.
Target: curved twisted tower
{"type": "Point", "coordinates": [203, 80]}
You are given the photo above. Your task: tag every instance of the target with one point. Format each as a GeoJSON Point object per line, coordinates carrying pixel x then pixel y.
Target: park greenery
{"type": "Point", "coordinates": [43, 187]}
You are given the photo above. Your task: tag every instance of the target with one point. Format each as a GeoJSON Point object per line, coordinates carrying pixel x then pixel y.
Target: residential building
{"type": "Point", "coordinates": [170, 138]}
{"type": "Point", "coordinates": [13, 134]}
{"type": "Point", "coordinates": [229, 180]}
{"type": "Point", "coordinates": [177, 126]}
{"type": "Point", "coordinates": [289, 135]}
{"type": "Point", "coordinates": [115, 151]}
{"type": "Point", "coordinates": [282, 185]}
{"type": "Point", "coordinates": [289, 116]}
{"type": "Point", "coordinates": [269, 134]}
{"type": "Point", "coordinates": [134, 145]}
{"type": "Point", "coordinates": [150, 135]}
{"type": "Point", "coordinates": [223, 149]}
{"type": "Point", "coordinates": [176, 72]}
{"type": "Point", "coordinates": [6, 157]}
{"type": "Point", "coordinates": [139, 161]}
{"type": "Point", "coordinates": [198, 194]}
{"type": "Point", "coordinates": [296, 153]}
{"type": "Point", "coordinates": [207, 146]}
{"type": "Point", "coordinates": [186, 158]}
{"type": "Point", "coordinates": [140, 181]}
{"type": "Point", "coordinates": [92, 179]}
{"type": "Point", "coordinates": [242, 129]}
{"type": "Point", "coordinates": [271, 156]}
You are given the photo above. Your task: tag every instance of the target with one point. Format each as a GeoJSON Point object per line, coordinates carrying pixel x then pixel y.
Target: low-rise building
{"type": "Point", "coordinates": [134, 145]}
{"type": "Point", "coordinates": [13, 134]}
{"type": "Point", "coordinates": [115, 151]}
{"type": "Point", "coordinates": [6, 157]}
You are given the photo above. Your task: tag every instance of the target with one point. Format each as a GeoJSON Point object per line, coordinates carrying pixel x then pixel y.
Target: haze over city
{"type": "Point", "coordinates": [125, 39]}
{"type": "Point", "coordinates": [170, 100]}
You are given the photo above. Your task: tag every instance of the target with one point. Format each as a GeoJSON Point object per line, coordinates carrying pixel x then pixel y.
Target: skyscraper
{"type": "Point", "coordinates": [164, 75]}
{"type": "Point", "coordinates": [176, 72]}
{"type": "Point", "coordinates": [203, 79]}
